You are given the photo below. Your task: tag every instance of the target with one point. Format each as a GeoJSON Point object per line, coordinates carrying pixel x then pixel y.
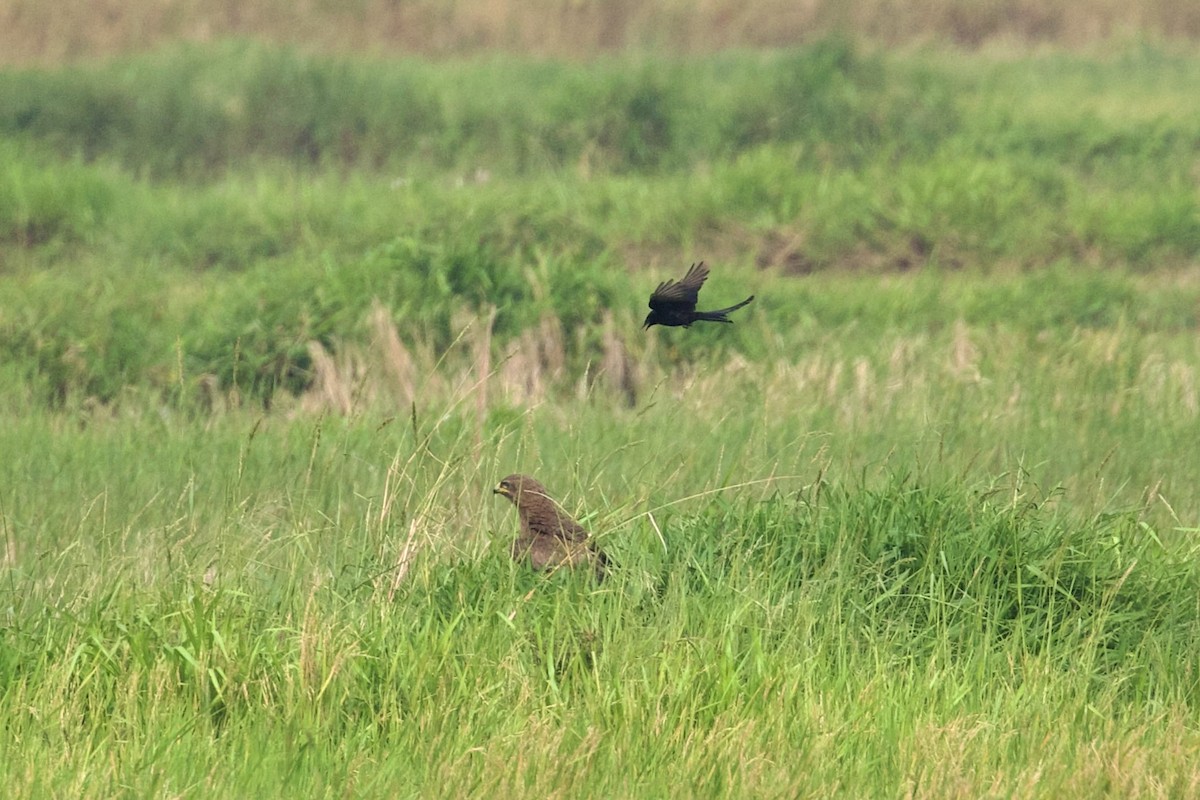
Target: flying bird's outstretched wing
{"type": "Point", "coordinates": [676, 296]}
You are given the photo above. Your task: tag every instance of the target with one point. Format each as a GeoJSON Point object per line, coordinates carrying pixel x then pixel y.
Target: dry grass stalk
{"type": "Point", "coordinates": [483, 374]}
{"type": "Point", "coordinates": [405, 560]}
{"type": "Point", "coordinates": [397, 361]}
{"type": "Point", "coordinates": [964, 356]}
{"type": "Point", "coordinates": [534, 363]}
{"type": "Point", "coordinates": [331, 382]}
{"type": "Point", "coordinates": [618, 371]}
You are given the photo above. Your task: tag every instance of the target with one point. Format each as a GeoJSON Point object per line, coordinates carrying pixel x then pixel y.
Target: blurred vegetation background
{"type": "Point", "coordinates": [50, 33]}
{"type": "Point", "coordinates": [226, 208]}
{"type": "Point", "coordinates": [936, 237]}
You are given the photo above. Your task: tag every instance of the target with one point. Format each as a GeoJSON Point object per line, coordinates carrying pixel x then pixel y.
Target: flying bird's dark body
{"type": "Point", "coordinates": [549, 538]}
{"type": "Point", "coordinates": [674, 302]}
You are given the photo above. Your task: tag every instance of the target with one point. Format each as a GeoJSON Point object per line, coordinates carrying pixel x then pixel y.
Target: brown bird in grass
{"type": "Point", "coordinates": [549, 537]}
{"type": "Point", "coordinates": [674, 303]}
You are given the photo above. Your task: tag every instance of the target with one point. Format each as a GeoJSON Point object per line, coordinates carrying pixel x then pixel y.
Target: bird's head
{"type": "Point", "coordinates": [515, 485]}
{"type": "Point", "coordinates": [651, 319]}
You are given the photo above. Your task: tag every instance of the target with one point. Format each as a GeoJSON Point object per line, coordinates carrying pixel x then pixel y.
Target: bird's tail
{"type": "Point", "coordinates": [602, 564]}
{"type": "Point", "coordinates": [722, 314]}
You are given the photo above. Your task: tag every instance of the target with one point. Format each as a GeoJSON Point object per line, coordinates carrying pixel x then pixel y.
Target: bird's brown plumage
{"type": "Point", "coordinates": [549, 537]}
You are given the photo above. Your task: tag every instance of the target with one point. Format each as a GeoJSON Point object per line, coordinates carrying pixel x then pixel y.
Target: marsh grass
{"type": "Point", "coordinates": [921, 523]}
{"type": "Point", "coordinates": [333, 596]}
{"type": "Point", "coordinates": [895, 563]}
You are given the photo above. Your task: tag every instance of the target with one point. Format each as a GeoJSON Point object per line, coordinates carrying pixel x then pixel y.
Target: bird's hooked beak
{"type": "Point", "coordinates": [502, 489]}
{"type": "Point", "coordinates": [646, 325]}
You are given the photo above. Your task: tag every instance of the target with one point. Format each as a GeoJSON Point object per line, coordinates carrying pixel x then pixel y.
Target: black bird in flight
{"type": "Point", "coordinates": [674, 303]}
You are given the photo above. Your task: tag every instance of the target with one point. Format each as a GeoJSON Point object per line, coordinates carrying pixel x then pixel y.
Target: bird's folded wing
{"type": "Point", "coordinates": [544, 519]}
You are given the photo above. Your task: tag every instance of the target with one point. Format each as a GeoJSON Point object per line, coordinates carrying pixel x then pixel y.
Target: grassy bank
{"type": "Point", "coordinates": [221, 209]}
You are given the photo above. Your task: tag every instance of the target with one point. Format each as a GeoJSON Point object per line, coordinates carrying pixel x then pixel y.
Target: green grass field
{"type": "Point", "coordinates": [923, 523]}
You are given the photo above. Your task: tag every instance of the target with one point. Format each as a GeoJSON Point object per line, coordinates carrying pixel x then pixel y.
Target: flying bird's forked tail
{"type": "Point", "coordinates": [722, 314]}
